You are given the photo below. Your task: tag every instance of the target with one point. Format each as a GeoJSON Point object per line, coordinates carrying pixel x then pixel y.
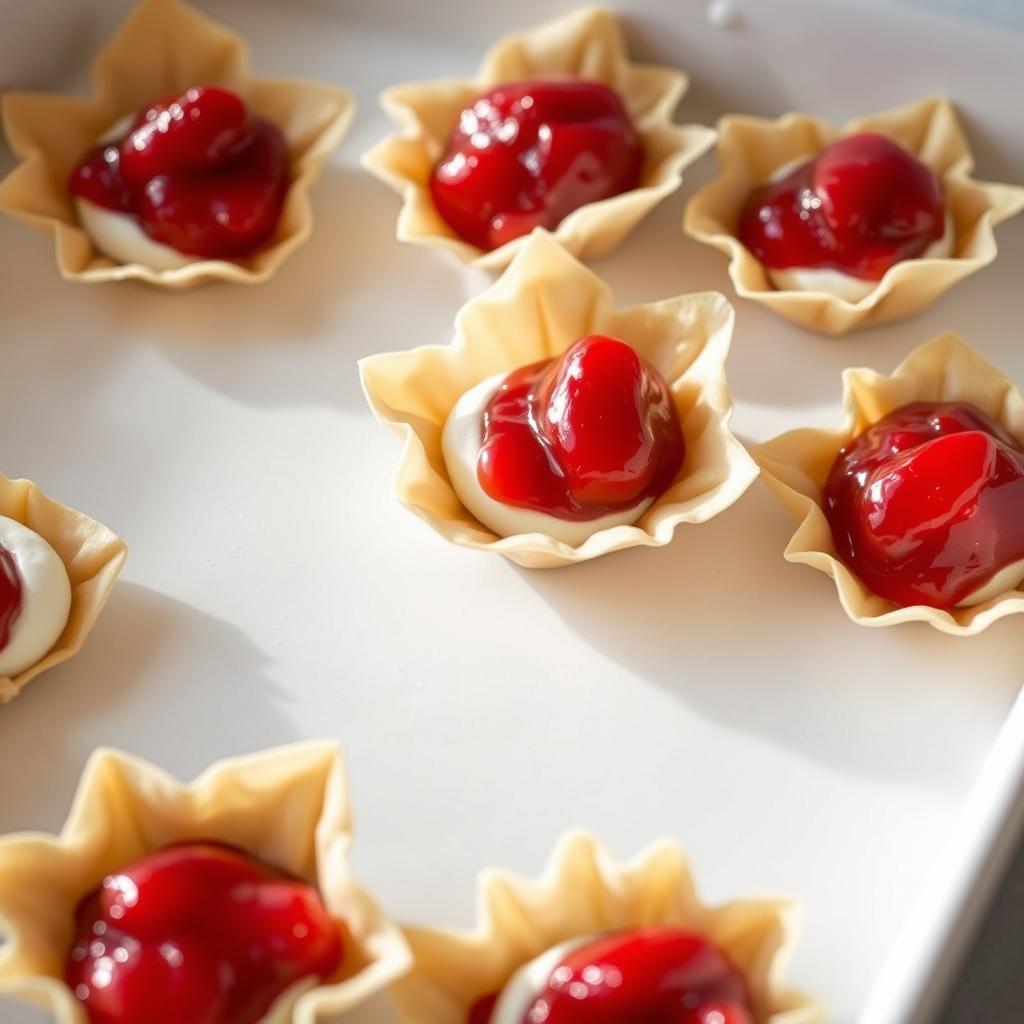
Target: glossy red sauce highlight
{"type": "Point", "coordinates": [199, 933]}
{"type": "Point", "coordinates": [527, 154]}
{"type": "Point", "coordinates": [197, 172]}
{"type": "Point", "coordinates": [11, 595]}
{"type": "Point", "coordinates": [656, 975]}
{"type": "Point", "coordinates": [860, 206]}
{"type": "Point", "coordinates": [927, 505]}
{"type": "Point", "coordinates": [588, 434]}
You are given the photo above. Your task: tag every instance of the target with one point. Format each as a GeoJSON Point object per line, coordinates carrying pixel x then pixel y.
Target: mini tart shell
{"type": "Point", "coordinates": [796, 465]}
{"type": "Point", "coordinates": [287, 806]}
{"type": "Point", "coordinates": [585, 44]}
{"type": "Point", "coordinates": [584, 891]}
{"type": "Point", "coordinates": [540, 306]}
{"type": "Point", "coordinates": [92, 555]}
{"type": "Point", "coordinates": [750, 149]}
{"type": "Point", "coordinates": [164, 47]}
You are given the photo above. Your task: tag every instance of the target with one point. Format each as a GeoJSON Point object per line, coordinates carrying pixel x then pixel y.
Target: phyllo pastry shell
{"type": "Point", "coordinates": [540, 306]}
{"type": "Point", "coordinates": [163, 48]}
{"type": "Point", "coordinates": [751, 149]}
{"type": "Point", "coordinates": [288, 807]}
{"type": "Point", "coordinates": [92, 555]}
{"type": "Point", "coordinates": [796, 466]}
{"type": "Point", "coordinates": [585, 891]}
{"type": "Point", "coordinates": [586, 44]}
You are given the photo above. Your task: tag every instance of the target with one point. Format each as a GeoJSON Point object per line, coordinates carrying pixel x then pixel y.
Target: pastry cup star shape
{"type": "Point", "coordinates": [287, 806]}
{"type": "Point", "coordinates": [796, 465]}
{"type": "Point", "coordinates": [92, 555]}
{"type": "Point", "coordinates": [585, 44]}
{"type": "Point", "coordinates": [751, 149]}
{"type": "Point", "coordinates": [585, 891]}
{"type": "Point", "coordinates": [540, 306]}
{"type": "Point", "coordinates": [163, 48]}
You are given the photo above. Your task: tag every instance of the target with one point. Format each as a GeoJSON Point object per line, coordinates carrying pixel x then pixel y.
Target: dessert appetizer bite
{"type": "Point", "coordinates": [595, 940]}
{"type": "Point", "coordinates": [840, 228]}
{"type": "Point", "coordinates": [914, 506]}
{"type": "Point", "coordinates": [57, 568]}
{"type": "Point", "coordinates": [556, 428]}
{"type": "Point", "coordinates": [227, 901]}
{"type": "Point", "coordinates": [558, 130]}
{"type": "Point", "coordinates": [181, 167]}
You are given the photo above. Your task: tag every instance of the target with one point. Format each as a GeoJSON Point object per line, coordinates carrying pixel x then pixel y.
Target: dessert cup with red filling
{"type": "Point", "coordinates": [181, 167]}
{"type": "Point", "coordinates": [836, 228]}
{"type": "Point", "coordinates": [91, 558]}
{"type": "Point", "coordinates": [911, 506]}
{"type": "Point", "coordinates": [552, 324]}
{"type": "Point", "coordinates": [557, 130]}
{"type": "Point", "coordinates": [556, 943]}
{"type": "Point", "coordinates": [225, 901]}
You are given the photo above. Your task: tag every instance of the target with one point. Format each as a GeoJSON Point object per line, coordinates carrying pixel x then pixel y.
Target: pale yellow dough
{"type": "Point", "coordinates": [751, 149]}
{"type": "Point", "coordinates": [164, 47]}
{"type": "Point", "coordinates": [585, 891]}
{"type": "Point", "coordinates": [541, 305]}
{"type": "Point", "coordinates": [585, 44]}
{"type": "Point", "coordinates": [288, 806]}
{"type": "Point", "coordinates": [796, 465]}
{"type": "Point", "coordinates": [92, 555]}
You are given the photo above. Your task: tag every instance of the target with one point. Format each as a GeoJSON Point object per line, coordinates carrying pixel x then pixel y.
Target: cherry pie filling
{"type": "Point", "coordinates": [200, 933]}
{"type": "Point", "coordinates": [527, 154]}
{"type": "Point", "coordinates": [652, 975]}
{"type": "Point", "coordinates": [592, 432]}
{"type": "Point", "coordinates": [860, 206]}
{"type": "Point", "coordinates": [196, 171]}
{"type": "Point", "coordinates": [926, 505]}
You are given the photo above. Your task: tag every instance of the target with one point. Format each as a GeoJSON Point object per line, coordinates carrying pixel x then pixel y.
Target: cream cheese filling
{"type": "Point", "coordinates": [45, 598]}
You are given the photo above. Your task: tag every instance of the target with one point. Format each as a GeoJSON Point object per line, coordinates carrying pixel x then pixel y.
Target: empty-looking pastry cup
{"type": "Point", "coordinates": [91, 554]}
{"type": "Point", "coordinates": [287, 807]}
{"type": "Point", "coordinates": [541, 305]}
{"type": "Point", "coordinates": [585, 892]}
{"type": "Point", "coordinates": [751, 150]}
{"type": "Point", "coordinates": [796, 466]}
{"type": "Point", "coordinates": [163, 48]}
{"type": "Point", "coordinates": [586, 44]}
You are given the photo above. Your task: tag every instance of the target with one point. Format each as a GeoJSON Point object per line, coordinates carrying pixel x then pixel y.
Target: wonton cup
{"type": "Point", "coordinates": [796, 465]}
{"type": "Point", "coordinates": [287, 806]}
{"type": "Point", "coordinates": [92, 555]}
{"type": "Point", "coordinates": [540, 306]}
{"type": "Point", "coordinates": [750, 149]}
{"type": "Point", "coordinates": [585, 44]}
{"type": "Point", "coordinates": [163, 48]}
{"type": "Point", "coordinates": [584, 891]}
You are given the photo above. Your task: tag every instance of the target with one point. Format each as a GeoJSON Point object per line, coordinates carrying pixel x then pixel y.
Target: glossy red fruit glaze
{"type": "Point", "coordinates": [926, 505]}
{"type": "Point", "coordinates": [655, 975]}
{"type": "Point", "coordinates": [860, 206]}
{"type": "Point", "coordinates": [527, 154]}
{"type": "Point", "coordinates": [197, 172]}
{"type": "Point", "coordinates": [11, 595]}
{"type": "Point", "coordinates": [590, 433]}
{"type": "Point", "coordinates": [201, 933]}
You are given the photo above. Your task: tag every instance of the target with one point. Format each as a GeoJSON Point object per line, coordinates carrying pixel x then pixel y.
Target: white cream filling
{"type": "Point", "coordinates": [120, 235]}
{"type": "Point", "coordinates": [461, 442]}
{"type": "Point", "coordinates": [45, 599]}
{"type": "Point", "coordinates": [1008, 578]}
{"type": "Point", "coordinates": [835, 282]}
{"type": "Point", "coordinates": [522, 988]}
{"type": "Point", "coordinates": [846, 286]}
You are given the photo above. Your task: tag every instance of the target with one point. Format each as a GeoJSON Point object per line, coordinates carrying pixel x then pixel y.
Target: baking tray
{"type": "Point", "coordinates": [707, 691]}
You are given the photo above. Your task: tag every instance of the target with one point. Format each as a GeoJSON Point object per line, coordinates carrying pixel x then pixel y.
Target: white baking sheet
{"type": "Point", "coordinates": [708, 691]}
